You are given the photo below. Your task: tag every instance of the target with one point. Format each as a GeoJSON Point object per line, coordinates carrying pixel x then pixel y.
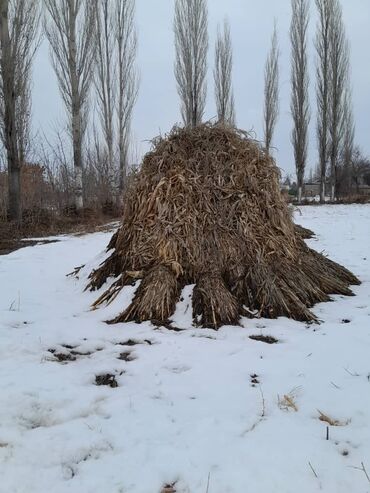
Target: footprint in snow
{"type": "Point", "coordinates": [177, 369]}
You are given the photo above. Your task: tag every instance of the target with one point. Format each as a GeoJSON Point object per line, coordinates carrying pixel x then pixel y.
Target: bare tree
{"type": "Point", "coordinates": [105, 72]}
{"type": "Point", "coordinates": [128, 80]}
{"type": "Point", "coordinates": [70, 27]}
{"type": "Point", "coordinates": [299, 81]}
{"type": "Point", "coordinates": [323, 44]}
{"type": "Point", "coordinates": [191, 44]}
{"type": "Point", "coordinates": [19, 39]}
{"type": "Point", "coordinates": [271, 105]}
{"type": "Point", "coordinates": [360, 169]}
{"type": "Point", "coordinates": [116, 80]}
{"type": "Point", "coordinates": [348, 145]}
{"type": "Point", "coordinates": [339, 62]}
{"type": "Point", "coordinates": [223, 74]}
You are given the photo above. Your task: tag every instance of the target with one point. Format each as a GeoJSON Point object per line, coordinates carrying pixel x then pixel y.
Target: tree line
{"type": "Point", "coordinates": [335, 127]}
{"type": "Point", "coordinates": [93, 48]}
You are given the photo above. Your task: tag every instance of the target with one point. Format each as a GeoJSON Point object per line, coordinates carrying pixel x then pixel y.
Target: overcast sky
{"type": "Point", "coordinates": [251, 21]}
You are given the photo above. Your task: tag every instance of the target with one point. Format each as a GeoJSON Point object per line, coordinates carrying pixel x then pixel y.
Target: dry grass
{"type": "Point", "coordinates": [331, 421]}
{"type": "Point", "coordinates": [288, 401]}
{"type": "Point", "coordinates": [206, 208]}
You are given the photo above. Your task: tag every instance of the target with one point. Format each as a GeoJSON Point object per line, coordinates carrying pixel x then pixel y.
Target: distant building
{"type": "Point", "coordinates": [311, 189]}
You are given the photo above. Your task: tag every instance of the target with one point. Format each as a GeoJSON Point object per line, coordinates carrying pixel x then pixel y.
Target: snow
{"type": "Point", "coordinates": [185, 409]}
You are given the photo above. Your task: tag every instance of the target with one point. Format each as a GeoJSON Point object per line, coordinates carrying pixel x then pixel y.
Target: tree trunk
{"type": "Point", "coordinates": [333, 179]}
{"type": "Point", "coordinates": [76, 117]}
{"type": "Point", "coordinates": [78, 182]}
{"type": "Point", "coordinates": [121, 133]}
{"type": "Point", "coordinates": [8, 72]}
{"type": "Point", "coordinates": [122, 181]}
{"type": "Point", "coordinates": [77, 157]}
{"type": "Point", "coordinates": [322, 191]}
{"type": "Point", "coordinates": [299, 195]}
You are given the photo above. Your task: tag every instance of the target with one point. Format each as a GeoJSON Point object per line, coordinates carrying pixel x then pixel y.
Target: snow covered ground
{"type": "Point", "coordinates": [214, 412]}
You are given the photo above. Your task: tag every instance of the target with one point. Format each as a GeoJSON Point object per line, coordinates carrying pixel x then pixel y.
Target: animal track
{"type": "Point", "coordinates": [254, 379]}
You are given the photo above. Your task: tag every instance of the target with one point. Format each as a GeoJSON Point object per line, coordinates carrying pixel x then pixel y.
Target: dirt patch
{"type": "Point", "coordinates": [9, 246]}
{"type": "Point", "coordinates": [134, 342]}
{"type": "Point", "coordinates": [13, 237]}
{"type": "Point", "coordinates": [79, 353]}
{"type": "Point", "coordinates": [126, 356]}
{"type": "Point", "coordinates": [167, 324]}
{"type": "Point", "coordinates": [62, 357]}
{"type": "Point", "coordinates": [71, 355]}
{"type": "Point", "coordinates": [106, 379]}
{"type": "Point", "coordinates": [266, 339]}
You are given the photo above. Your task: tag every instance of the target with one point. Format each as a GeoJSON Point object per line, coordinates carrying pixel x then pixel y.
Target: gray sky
{"type": "Point", "coordinates": [157, 108]}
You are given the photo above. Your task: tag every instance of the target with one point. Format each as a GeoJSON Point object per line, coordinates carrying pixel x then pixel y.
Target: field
{"type": "Point", "coordinates": [88, 407]}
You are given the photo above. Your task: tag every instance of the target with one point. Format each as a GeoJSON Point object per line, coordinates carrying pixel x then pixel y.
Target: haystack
{"type": "Point", "coordinates": [206, 209]}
